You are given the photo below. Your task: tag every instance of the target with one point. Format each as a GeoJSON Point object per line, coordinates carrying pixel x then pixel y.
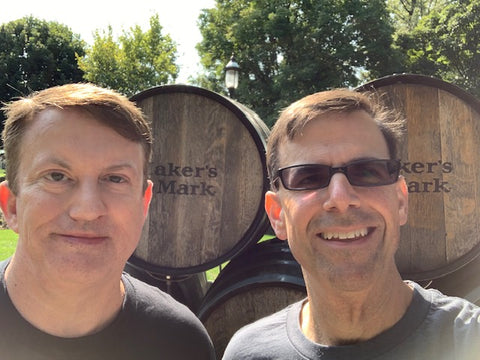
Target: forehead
{"type": "Point", "coordinates": [52, 120]}
{"type": "Point", "coordinates": [335, 139]}
{"type": "Point", "coordinates": [74, 134]}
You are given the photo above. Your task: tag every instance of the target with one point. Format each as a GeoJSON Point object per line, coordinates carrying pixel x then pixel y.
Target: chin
{"type": "Point", "coordinates": [84, 268]}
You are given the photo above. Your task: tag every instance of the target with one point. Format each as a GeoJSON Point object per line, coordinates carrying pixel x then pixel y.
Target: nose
{"type": "Point", "coordinates": [86, 202]}
{"type": "Point", "coordinates": [340, 194]}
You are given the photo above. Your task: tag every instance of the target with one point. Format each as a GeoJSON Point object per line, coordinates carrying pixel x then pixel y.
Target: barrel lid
{"type": "Point", "coordinates": [209, 179]}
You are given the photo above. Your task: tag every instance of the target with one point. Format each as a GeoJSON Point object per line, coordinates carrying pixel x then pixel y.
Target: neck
{"type": "Point", "coordinates": [339, 318]}
{"type": "Point", "coordinates": [62, 308]}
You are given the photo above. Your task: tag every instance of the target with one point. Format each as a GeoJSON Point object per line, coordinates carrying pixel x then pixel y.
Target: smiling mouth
{"type": "Point", "coordinates": [351, 235]}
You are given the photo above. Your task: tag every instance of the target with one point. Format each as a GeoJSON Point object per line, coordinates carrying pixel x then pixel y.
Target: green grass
{"type": "Point", "coordinates": [8, 241]}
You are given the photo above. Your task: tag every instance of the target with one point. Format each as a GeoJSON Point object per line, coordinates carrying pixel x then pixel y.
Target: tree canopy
{"type": "Point", "coordinates": [36, 54]}
{"type": "Point", "coordinates": [290, 48]}
{"type": "Point", "coordinates": [286, 49]}
{"type": "Point", "coordinates": [137, 61]}
{"type": "Point", "coordinates": [446, 44]}
{"type": "Point", "coordinates": [407, 13]}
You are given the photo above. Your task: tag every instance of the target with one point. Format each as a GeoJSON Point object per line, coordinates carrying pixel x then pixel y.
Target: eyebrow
{"type": "Point", "coordinates": [122, 166]}
{"type": "Point", "coordinates": [57, 161]}
{"type": "Point", "coordinates": [45, 160]}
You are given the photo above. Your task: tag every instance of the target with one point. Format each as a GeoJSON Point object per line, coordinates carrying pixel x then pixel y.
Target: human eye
{"type": "Point", "coordinates": [370, 172]}
{"type": "Point", "coordinates": [56, 176]}
{"type": "Point", "coordinates": [307, 177]}
{"type": "Point", "coordinates": [116, 179]}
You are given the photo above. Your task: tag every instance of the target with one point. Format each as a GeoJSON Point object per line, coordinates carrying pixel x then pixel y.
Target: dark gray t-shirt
{"type": "Point", "coordinates": [434, 327]}
{"type": "Point", "coordinates": [150, 325]}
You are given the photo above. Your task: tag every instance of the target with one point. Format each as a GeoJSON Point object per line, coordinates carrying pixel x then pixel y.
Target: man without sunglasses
{"type": "Point", "coordinates": [337, 198]}
{"type": "Point", "coordinates": [77, 193]}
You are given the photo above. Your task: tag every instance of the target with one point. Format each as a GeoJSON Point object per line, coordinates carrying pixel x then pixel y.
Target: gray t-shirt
{"type": "Point", "coordinates": [150, 325]}
{"type": "Point", "coordinates": [434, 327]}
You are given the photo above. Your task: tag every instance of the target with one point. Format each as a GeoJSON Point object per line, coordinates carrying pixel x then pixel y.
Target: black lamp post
{"type": "Point", "coordinates": [232, 71]}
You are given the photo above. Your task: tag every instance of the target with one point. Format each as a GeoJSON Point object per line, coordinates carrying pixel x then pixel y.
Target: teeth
{"type": "Point", "coordinates": [344, 236]}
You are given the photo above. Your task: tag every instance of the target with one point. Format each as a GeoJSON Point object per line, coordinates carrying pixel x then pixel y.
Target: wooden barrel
{"type": "Point", "coordinates": [440, 161]}
{"type": "Point", "coordinates": [209, 173]}
{"type": "Point", "coordinates": [264, 279]}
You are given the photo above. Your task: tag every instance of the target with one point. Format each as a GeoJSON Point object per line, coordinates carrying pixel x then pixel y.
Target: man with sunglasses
{"type": "Point", "coordinates": [338, 199]}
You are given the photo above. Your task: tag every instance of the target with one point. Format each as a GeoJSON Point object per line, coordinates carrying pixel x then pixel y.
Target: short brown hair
{"type": "Point", "coordinates": [107, 106]}
{"type": "Point", "coordinates": [294, 118]}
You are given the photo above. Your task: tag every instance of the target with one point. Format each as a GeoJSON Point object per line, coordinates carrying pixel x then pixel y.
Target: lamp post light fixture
{"type": "Point", "coordinates": [232, 71]}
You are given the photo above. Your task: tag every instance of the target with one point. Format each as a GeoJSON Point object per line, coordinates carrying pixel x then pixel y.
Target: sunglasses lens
{"type": "Point", "coordinates": [373, 173]}
{"type": "Point", "coordinates": [362, 173]}
{"type": "Point", "coordinates": [306, 177]}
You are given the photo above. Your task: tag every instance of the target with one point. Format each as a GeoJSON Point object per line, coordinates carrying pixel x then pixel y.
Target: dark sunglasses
{"type": "Point", "coordinates": [359, 173]}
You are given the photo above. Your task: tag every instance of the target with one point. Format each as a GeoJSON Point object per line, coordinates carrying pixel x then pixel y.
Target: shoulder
{"type": "Point", "coordinates": [267, 336]}
{"type": "Point", "coordinates": [142, 295]}
{"type": "Point", "coordinates": [450, 316]}
{"type": "Point", "coordinates": [150, 312]}
{"type": "Point", "coordinates": [450, 307]}
{"type": "Point", "coordinates": [153, 303]}
{"type": "Point", "coordinates": [268, 324]}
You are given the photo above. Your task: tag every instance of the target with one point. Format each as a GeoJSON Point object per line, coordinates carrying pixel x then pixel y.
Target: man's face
{"type": "Point", "coordinates": [342, 234]}
{"type": "Point", "coordinates": [80, 207]}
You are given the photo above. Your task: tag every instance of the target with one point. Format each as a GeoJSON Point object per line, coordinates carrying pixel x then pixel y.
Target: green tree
{"type": "Point", "coordinates": [407, 13]}
{"type": "Point", "coordinates": [446, 44]}
{"type": "Point", "coordinates": [36, 54]}
{"type": "Point", "coordinates": [290, 48]}
{"type": "Point", "coordinates": [410, 39]}
{"type": "Point", "coordinates": [139, 60]}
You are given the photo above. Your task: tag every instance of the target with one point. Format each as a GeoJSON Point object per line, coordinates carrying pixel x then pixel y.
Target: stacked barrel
{"type": "Point", "coordinates": [210, 178]}
{"type": "Point", "coordinates": [209, 172]}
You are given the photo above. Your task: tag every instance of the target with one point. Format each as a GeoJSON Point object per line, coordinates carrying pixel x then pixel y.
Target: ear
{"type": "Point", "coordinates": [147, 197]}
{"type": "Point", "coordinates": [8, 204]}
{"type": "Point", "coordinates": [275, 213]}
{"type": "Point", "coordinates": [402, 193]}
